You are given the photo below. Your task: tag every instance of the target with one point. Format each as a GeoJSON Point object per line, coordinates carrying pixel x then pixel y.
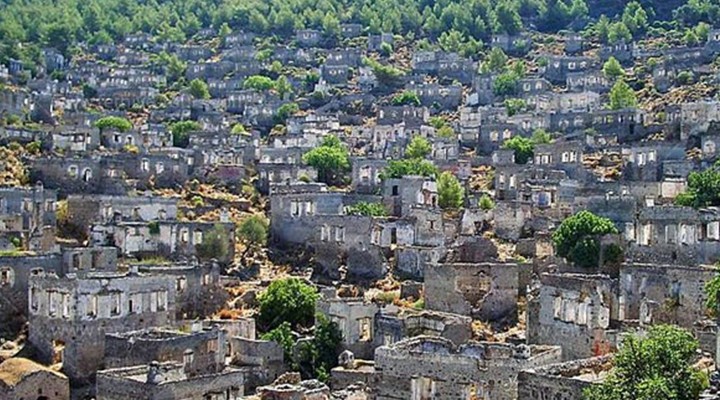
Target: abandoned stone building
{"type": "Point", "coordinates": [433, 367]}
{"type": "Point", "coordinates": [563, 380]}
{"type": "Point", "coordinates": [170, 380]}
{"type": "Point", "coordinates": [27, 218]}
{"type": "Point", "coordinates": [576, 312]}
{"type": "Point", "coordinates": [69, 317]}
{"type": "Point", "coordinates": [483, 291]}
{"type": "Point", "coordinates": [21, 379]}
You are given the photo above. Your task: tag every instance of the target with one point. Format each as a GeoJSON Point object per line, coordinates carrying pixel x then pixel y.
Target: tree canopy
{"type": "Point", "coordinates": [656, 366]}
{"type": "Point", "coordinates": [287, 300]}
{"type": "Point", "coordinates": [199, 89]}
{"type": "Point", "coordinates": [419, 147]}
{"type": "Point", "coordinates": [181, 132]}
{"type": "Point", "coordinates": [331, 159]}
{"type": "Point", "coordinates": [451, 193]}
{"type": "Point", "coordinates": [622, 96]}
{"type": "Point", "coordinates": [576, 238]}
{"type": "Point", "coordinates": [367, 209]}
{"type": "Point", "coordinates": [703, 189]}
{"type": "Point", "coordinates": [117, 123]}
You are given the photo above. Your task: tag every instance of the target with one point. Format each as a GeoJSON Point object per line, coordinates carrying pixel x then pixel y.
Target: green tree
{"type": "Point", "coordinates": [622, 96]}
{"type": "Point", "coordinates": [656, 366]}
{"type": "Point", "coordinates": [612, 68]}
{"type": "Point", "coordinates": [285, 111]}
{"type": "Point", "coordinates": [407, 97]}
{"type": "Point", "coordinates": [712, 291]}
{"type": "Point", "coordinates": [506, 84]}
{"type": "Point", "coordinates": [514, 106]}
{"type": "Point", "coordinates": [419, 147]}
{"type": "Point", "coordinates": [238, 129]}
{"type": "Point", "coordinates": [174, 67]}
{"type": "Point", "coordinates": [258, 82]}
{"type": "Point", "coordinates": [283, 86]}
{"type": "Point", "coordinates": [253, 230]}
{"type": "Point", "coordinates": [199, 89]}
{"type": "Point", "coordinates": [216, 244]}
{"type": "Point", "coordinates": [540, 136]}
{"type": "Point", "coordinates": [524, 148]}
{"type": "Point", "coordinates": [386, 75]}
{"type": "Point", "coordinates": [507, 18]}
{"type": "Point", "coordinates": [181, 132]}
{"type": "Point", "coordinates": [496, 61]}
{"type": "Point", "coordinates": [367, 209]}
{"type": "Point", "coordinates": [407, 167]}
{"type": "Point", "coordinates": [576, 238]}
{"type": "Point", "coordinates": [703, 189]}
{"type": "Point", "coordinates": [446, 132]}
{"type": "Point", "coordinates": [287, 300]}
{"type": "Point", "coordinates": [284, 336]}
{"type": "Point", "coordinates": [450, 192]}
{"type": "Point", "coordinates": [117, 123]}
{"type": "Point", "coordinates": [319, 355]}
{"type": "Point", "coordinates": [331, 159]}
{"type": "Point", "coordinates": [486, 203]}
{"type": "Point", "coordinates": [619, 32]}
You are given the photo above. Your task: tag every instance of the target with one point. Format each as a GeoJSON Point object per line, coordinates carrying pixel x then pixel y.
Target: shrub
{"type": "Point", "coordinates": [577, 238]}
{"type": "Point", "coordinates": [367, 209]}
{"type": "Point", "coordinates": [287, 300]}
{"type": "Point", "coordinates": [450, 192]}
{"type": "Point", "coordinates": [254, 230]}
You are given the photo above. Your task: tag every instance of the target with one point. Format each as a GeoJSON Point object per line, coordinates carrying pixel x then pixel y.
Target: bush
{"type": "Point", "coordinates": [181, 132]}
{"type": "Point", "coordinates": [658, 365]}
{"type": "Point", "coordinates": [515, 106]}
{"type": "Point", "coordinates": [254, 230]}
{"type": "Point", "coordinates": [524, 148]}
{"type": "Point", "coordinates": [506, 84]}
{"type": "Point", "coordinates": [576, 238]}
{"type": "Point", "coordinates": [367, 209]}
{"type": "Point", "coordinates": [407, 97]}
{"type": "Point", "coordinates": [415, 166]}
{"type": "Point", "coordinates": [331, 160]}
{"type": "Point", "coordinates": [419, 147]}
{"type": "Point", "coordinates": [446, 132]}
{"type": "Point", "coordinates": [199, 89]}
{"type": "Point", "coordinates": [612, 68]}
{"type": "Point", "coordinates": [318, 356]}
{"type": "Point", "coordinates": [703, 189]}
{"type": "Point", "coordinates": [117, 123]}
{"type": "Point", "coordinates": [287, 300]}
{"type": "Point", "coordinates": [450, 192]}
{"type": "Point", "coordinates": [282, 335]}
{"type": "Point", "coordinates": [486, 203]}
{"type": "Point", "coordinates": [216, 244]}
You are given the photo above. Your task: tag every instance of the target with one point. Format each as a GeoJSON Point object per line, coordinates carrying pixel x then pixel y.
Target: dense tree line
{"type": "Point", "coordinates": [454, 23]}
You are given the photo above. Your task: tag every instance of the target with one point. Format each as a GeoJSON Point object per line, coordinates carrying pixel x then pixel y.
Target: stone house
{"type": "Point", "coordinates": [366, 174]}
{"type": "Point", "coordinates": [493, 135]}
{"type": "Point", "coordinates": [558, 67]}
{"type": "Point", "coordinates": [518, 44]}
{"type": "Point", "coordinates": [20, 135]}
{"type": "Point", "coordinates": [75, 138]}
{"type": "Point", "coordinates": [438, 96]}
{"type": "Point", "coordinates": [171, 381]}
{"type": "Point", "coordinates": [209, 70]}
{"type": "Point", "coordinates": [238, 38]}
{"type": "Point", "coordinates": [574, 43]}
{"type": "Point", "coordinates": [644, 162]}
{"type": "Point", "coordinates": [622, 51]}
{"type": "Point", "coordinates": [356, 321]}
{"type": "Point", "coordinates": [21, 378]}
{"type": "Point", "coordinates": [393, 325]}
{"type": "Point", "coordinates": [27, 218]}
{"type": "Point", "coordinates": [69, 317]}
{"type": "Point", "coordinates": [205, 349]}
{"type": "Point", "coordinates": [695, 118]}
{"type": "Point", "coordinates": [487, 291]}
{"type": "Point", "coordinates": [565, 156]}
{"type": "Point", "coordinates": [270, 174]}
{"type": "Point", "coordinates": [308, 37]}
{"type": "Point", "coordinates": [88, 209]}
{"type": "Point", "coordinates": [335, 74]}
{"type": "Point", "coordinates": [375, 42]}
{"type": "Point", "coordinates": [193, 53]}
{"type": "Point", "coordinates": [164, 238]}
{"type": "Point", "coordinates": [656, 294]}
{"type": "Point", "coordinates": [576, 312]}
{"type": "Point", "coordinates": [409, 115]}
{"type": "Point", "coordinates": [350, 30]}
{"type": "Point", "coordinates": [451, 66]}
{"type": "Point", "coordinates": [431, 367]}
{"type": "Point", "coordinates": [674, 235]}
{"type": "Point", "coordinates": [562, 380]}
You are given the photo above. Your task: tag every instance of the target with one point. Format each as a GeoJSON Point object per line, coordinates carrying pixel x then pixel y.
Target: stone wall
{"type": "Point", "coordinates": [435, 367]}
{"type": "Point", "coordinates": [487, 291]}
{"type": "Point", "coordinates": [560, 381]}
